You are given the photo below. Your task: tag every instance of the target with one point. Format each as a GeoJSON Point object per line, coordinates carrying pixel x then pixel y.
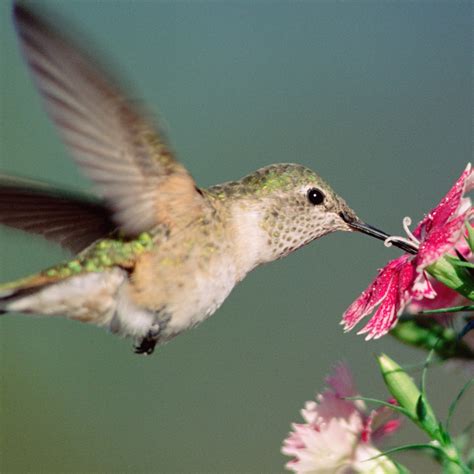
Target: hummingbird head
{"type": "Point", "coordinates": [298, 206]}
{"type": "Point", "coordinates": [280, 208]}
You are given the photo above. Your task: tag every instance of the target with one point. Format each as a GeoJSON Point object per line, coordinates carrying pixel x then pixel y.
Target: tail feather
{"type": "Point", "coordinates": [16, 290]}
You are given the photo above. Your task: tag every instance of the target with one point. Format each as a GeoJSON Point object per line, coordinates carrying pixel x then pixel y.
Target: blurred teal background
{"type": "Point", "coordinates": [376, 96]}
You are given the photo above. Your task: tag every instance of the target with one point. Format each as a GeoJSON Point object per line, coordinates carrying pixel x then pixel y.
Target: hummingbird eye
{"type": "Point", "coordinates": [315, 196]}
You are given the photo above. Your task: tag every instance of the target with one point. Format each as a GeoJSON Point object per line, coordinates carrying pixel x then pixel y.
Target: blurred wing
{"type": "Point", "coordinates": [72, 221]}
{"type": "Point", "coordinates": [115, 145]}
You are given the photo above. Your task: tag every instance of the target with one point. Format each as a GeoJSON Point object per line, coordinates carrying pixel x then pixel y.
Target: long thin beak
{"type": "Point", "coordinates": [373, 232]}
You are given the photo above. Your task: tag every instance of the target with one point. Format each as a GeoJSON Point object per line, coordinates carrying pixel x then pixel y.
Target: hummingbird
{"type": "Point", "coordinates": [153, 253]}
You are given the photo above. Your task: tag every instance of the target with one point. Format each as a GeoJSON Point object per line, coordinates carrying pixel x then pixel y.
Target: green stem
{"type": "Point", "coordinates": [451, 309]}
{"type": "Point", "coordinates": [452, 462]}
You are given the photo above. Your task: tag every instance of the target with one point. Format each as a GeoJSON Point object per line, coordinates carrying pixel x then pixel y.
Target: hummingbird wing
{"type": "Point", "coordinates": [71, 220]}
{"type": "Point", "coordinates": [114, 142]}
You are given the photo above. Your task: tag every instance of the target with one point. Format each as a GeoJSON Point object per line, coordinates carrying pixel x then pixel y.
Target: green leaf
{"type": "Point", "coordinates": [396, 408]}
{"type": "Point", "coordinates": [411, 447]}
{"type": "Point", "coordinates": [468, 428]}
{"type": "Point", "coordinates": [450, 466]}
{"type": "Point", "coordinates": [454, 404]}
{"type": "Point", "coordinates": [470, 458]}
{"type": "Point", "coordinates": [459, 263]}
{"type": "Point", "coordinates": [451, 309]}
{"type": "Point", "coordinates": [425, 333]}
{"type": "Point", "coordinates": [425, 370]}
{"type": "Point", "coordinates": [401, 468]}
{"type": "Point", "coordinates": [421, 409]}
{"type": "Point", "coordinates": [470, 236]}
{"type": "Point", "coordinates": [455, 277]}
{"type": "Point", "coordinates": [444, 435]}
{"type": "Point", "coordinates": [461, 441]}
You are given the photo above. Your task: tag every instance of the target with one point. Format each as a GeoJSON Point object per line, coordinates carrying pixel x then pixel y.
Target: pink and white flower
{"type": "Point", "coordinates": [338, 434]}
{"type": "Point", "coordinates": [404, 279]}
{"type": "Point", "coordinates": [445, 296]}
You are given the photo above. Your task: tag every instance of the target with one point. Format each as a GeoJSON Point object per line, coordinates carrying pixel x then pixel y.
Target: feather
{"type": "Point", "coordinates": [114, 142]}
{"type": "Point", "coordinates": [73, 221]}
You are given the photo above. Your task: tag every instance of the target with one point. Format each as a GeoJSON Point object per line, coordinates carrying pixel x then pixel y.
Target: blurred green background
{"type": "Point", "coordinates": [376, 96]}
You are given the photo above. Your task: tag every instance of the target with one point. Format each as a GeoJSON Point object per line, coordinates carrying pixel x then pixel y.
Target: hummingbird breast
{"type": "Point", "coordinates": [177, 295]}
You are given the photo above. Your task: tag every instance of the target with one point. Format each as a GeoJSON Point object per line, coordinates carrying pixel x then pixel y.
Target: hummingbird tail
{"type": "Point", "coordinates": [14, 291]}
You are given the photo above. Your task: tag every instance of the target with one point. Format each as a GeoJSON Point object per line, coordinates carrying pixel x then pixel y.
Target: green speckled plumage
{"type": "Point", "coordinates": [103, 255]}
{"type": "Point", "coordinates": [99, 257]}
{"type": "Point", "coordinates": [277, 177]}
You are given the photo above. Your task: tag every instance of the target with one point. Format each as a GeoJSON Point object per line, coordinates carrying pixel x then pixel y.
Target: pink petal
{"type": "Point", "coordinates": [331, 406]}
{"type": "Point", "coordinates": [341, 381]}
{"type": "Point", "coordinates": [388, 428]}
{"type": "Point", "coordinates": [469, 180]}
{"type": "Point", "coordinates": [422, 288]}
{"type": "Point", "coordinates": [444, 298]}
{"type": "Point", "coordinates": [310, 412]}
{"type": "Point", "coordinates": [373, 294]}
{"type": "Point", "coordinates": [383, 421]}
{"type": "Point", "coordinates": [339, 438]}
{"type": "Point", "coordinates": [294, 440]}
{"type": "Point", "coordinates": [448, 205]}
{"type": "Point", "coordinates": [441, 296]}
{"type": "Point", "coordinates": [384, 318]}
{"type": "Point", "coordinates": [361, 306]}
{"type": "Point", "coordinates": [406, 278]}
{"type": "Point", "coordinates": [396, 297]}
{"type": "Point", "coordinates": [366, 434]}
{"type": "Point", "coordinates": [441, 240]}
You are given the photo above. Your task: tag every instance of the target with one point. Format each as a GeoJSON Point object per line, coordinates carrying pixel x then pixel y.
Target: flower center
{"type": "Point", "coordinates": [411, 240]}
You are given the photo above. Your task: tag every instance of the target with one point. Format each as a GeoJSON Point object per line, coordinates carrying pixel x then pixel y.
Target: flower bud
{"type": "Point", "coordinates": [408, 395]}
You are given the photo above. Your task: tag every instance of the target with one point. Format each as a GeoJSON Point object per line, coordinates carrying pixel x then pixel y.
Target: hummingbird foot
{"type": "Point", "coordinates": [148, 343]}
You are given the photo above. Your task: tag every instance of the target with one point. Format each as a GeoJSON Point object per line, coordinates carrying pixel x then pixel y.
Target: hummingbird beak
{"type": "Point", "coordinates": [360, 226]}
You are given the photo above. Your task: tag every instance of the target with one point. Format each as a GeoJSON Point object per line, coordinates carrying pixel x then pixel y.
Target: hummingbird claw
{"type": "Point", "coordinates": [146, 346]}
{"type": "Point", "coordinates": [148, 343]}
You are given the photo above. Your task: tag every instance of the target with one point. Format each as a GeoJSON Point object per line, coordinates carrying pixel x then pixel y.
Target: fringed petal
{"type": "Point", "coordinates": [373, 294]}
{"type": "Point", "coordinates": [447, 207]}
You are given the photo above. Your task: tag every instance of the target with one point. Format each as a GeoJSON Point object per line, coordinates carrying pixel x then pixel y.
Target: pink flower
{"type": "Point", "coordinates": [404, 279]}
{"type": "Point", "coordinates": [445, 296]}
{"type": "Point", "coordinates": [337, 436]}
